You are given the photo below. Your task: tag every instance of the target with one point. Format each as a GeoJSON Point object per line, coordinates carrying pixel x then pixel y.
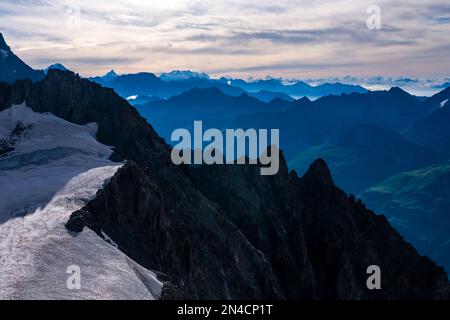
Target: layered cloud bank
{"type": "Point", "coordinates": [290, 38]}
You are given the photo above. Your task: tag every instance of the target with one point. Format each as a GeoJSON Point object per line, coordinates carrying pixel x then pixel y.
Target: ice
{"type": "Point", "coordinates": [54, 169]}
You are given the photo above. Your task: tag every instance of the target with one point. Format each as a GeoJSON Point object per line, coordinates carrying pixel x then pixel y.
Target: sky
{"type": "Point", "coordinates": [283, 38]}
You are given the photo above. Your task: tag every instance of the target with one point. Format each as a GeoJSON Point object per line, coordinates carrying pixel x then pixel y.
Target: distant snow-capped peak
{"type": "Point", "coordinates": [180, 75]}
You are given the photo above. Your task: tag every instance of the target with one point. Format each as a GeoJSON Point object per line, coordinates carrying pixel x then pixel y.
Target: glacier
{"type": "Point", "coordinates": [49, 168]}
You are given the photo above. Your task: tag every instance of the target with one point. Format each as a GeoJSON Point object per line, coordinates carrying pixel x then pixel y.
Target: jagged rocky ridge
{"type": "Point", "coordinates": [226, 231]}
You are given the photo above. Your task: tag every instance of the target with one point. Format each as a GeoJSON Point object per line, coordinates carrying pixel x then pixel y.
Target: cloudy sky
{"type": "Point", "coordinates": [289, 38]}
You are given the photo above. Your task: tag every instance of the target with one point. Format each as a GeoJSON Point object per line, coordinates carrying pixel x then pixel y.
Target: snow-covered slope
{"type": "Point", "coordinates": [48, 168]}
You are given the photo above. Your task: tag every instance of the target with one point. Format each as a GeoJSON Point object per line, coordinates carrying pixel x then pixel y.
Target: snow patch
{"type": "Point", "coordinates": [443, 103]}
{"type": "Point", "coordinates": [54, 170]}
{"type": "Point", "coordinates": [182, 75]}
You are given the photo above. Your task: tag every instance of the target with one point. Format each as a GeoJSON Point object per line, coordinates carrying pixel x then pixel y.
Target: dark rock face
{"type": "Point", "coordinates": [346, 237]}
{"type": "Point", "coordinates": [319, 241]}
{"type": "Point", "coordinates": [182, 234]}
{"type": "Point", "coordinates": [226, 231]}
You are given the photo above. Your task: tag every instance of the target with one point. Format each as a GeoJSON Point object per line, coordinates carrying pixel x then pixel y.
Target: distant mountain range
{"type": "Point", "coordinates": [416, 86]}
{"type": "Point", "coordinates": [210, 105]}
{"type": "Point", "coordinates": [176, 82]}
{"type": "Point", "coordinates": [297, 89]}
{"type": "Point", "coordinates": [312, 123]}
{"type": "Point", "coordinates": [304, 123]}
{"type": "Point", "coordinates": [146, 83]}
{"type": "Point", "coordinates": [181, 75]}
{"type": "Point", "coordinates": [268, 96]}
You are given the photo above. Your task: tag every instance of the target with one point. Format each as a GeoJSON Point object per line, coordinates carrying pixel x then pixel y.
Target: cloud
{"type": "Point", "coordinates": [289, 66]}
{"type": "Point", "coordinates": [90, 61]}
{"type": "Point", "coordinates": [302, 38]}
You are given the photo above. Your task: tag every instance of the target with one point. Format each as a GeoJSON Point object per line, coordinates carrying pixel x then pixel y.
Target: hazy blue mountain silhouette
{"type": "Point", "coordinates": [434, 129]}
{"type": "Point", "coordinates": [143, 83]}
{"type": "Point", "coordinates": [435, 102]}
{"type": "Point", "coordinates": [303, 123]}
{"type": "Point", "coordinates": [176, 82]}
{"type": "Point", "coordinates": [267, 96]}
{"type": "Point", "coordinates": [417, 204]}
{"type": "Point", "coordinates": [298, 89]}
{"type": "Point", "coordinates": [366, 154]}
{"type": "Point", "coordinates": [314, 123]}
{"type": "Point", "coordinates": [12, 68]}
{"type": "Point", "coordinates": [210, 105]}
{"type": "Point", "coordinates": [146, 83]}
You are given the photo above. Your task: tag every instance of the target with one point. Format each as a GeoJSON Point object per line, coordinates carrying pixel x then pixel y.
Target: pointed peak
{"type": "Point", "coordinates": [398, 90]}
{"type": "Point", "coordinates": [3, 45]}
{"type": "Point", "coordinates": [111, 73]}
{"type": "Point", "coordinates": [304, 100]}
{"type": "Point", "coordinates": [57, 66]}
{"type": "Point", "coordinates": [319, 173]}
